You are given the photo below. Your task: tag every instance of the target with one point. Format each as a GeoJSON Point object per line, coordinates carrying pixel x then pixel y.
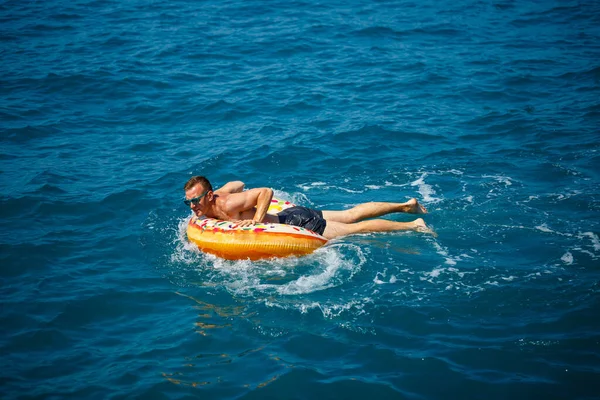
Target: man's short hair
{"type": "Point", "coordinates": [194, 180]}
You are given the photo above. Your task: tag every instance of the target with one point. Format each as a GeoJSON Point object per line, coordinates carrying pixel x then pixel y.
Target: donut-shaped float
{"type": "Point", "coordinates": [227, 240]}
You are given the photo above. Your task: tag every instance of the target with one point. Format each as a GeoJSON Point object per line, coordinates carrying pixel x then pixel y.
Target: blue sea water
{"type": "Point", "coordinates": [487, 112]}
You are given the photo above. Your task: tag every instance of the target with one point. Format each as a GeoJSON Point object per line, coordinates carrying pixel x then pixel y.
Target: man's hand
{"type": "Point", "coordinates": [246, 222]}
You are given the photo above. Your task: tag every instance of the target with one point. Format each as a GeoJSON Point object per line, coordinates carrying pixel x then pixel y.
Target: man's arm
{"type": "Point", "coordinates": [231, 187]}
{"type": "Point", "coordinates": [259, 198]}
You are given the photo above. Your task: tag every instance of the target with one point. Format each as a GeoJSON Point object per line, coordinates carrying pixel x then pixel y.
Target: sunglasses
{"type": "Point", "coordinates": [195, 201]}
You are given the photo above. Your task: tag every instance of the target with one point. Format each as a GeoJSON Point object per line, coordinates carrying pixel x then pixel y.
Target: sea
{"type": "Point", "coordinates": [487, 112]}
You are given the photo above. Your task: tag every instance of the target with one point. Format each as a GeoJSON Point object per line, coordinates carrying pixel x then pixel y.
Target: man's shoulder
{"type": "Point", "coordinates": [224, 198]}
{"type": "Point", "coordinates": [232, 187]}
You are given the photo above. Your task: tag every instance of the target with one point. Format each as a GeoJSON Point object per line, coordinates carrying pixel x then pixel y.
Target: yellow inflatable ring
{"type": "Point", "coordinates": [227, 240]}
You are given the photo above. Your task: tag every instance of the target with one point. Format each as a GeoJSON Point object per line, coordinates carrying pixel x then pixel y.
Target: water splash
{"type": "Point", "coordinates": [425, 190]}
{"type": "Point", "coordinates": [329, 266]}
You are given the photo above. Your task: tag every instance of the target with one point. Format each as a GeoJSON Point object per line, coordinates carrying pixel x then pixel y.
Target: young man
{"type": "Point", "coordinates": [249, 207]}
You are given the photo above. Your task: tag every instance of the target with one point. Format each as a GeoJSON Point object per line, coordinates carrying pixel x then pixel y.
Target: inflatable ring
{"type": "Point", "coordinates": [227, 240]}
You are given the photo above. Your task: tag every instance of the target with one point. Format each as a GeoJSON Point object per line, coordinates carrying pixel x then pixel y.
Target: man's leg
{"type": "Point", "coordinates": [336, 229]}
{"type": "Point", "coordinates": [373, 210]}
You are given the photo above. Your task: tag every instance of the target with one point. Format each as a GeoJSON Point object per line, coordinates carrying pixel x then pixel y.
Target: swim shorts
{"type": "Point", "coordinates": [304, 218]}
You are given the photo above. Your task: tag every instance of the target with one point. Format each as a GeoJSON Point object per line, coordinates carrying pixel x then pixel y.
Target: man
{"type": "Point", "coordinates": [249, 207]}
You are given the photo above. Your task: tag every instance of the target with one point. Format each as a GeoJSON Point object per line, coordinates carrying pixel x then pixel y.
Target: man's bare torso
{"type": "Point", "coordinates": [221, 211]}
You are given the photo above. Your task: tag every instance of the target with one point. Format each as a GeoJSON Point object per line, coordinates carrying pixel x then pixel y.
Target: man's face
{"type": "Point", "coordinates": [198, 196]}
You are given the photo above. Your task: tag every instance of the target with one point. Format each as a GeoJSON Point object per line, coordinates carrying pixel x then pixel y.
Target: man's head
{"type": "Point", "coordinates": [198, 194]}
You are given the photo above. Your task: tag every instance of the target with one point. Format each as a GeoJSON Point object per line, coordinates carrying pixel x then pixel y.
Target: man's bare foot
{"type": "Point", "coordinates": [414, 207]}
{"type": "Point", "coordinates": [421, 226]}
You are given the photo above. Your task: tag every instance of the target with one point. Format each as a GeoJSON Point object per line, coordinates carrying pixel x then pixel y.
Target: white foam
{"type": "Point", "coordinates": [442, 251]}
{"type": "Point", "coordinates": [565, 196]}
{"type": "Point", "coordinates": [347, 190]}
{"type": "Point", "coordinates": [567, 258]}
{"type": "Point", "coordinates": [425, 190]}
{"type": "Point", "coordinates": [533, 275]}
{"type": "Point", "coordinates": [320, 281]}
{"type": "Point", "coordinates": [328, 310]}
{"type": "Point", "coordinates": [529, 199]}
{"type": "Point", "coordinates": [185, 252]}
{"type": "Point", "coordinates": [391, 184]}
{"type": "Point", "coordinates": [328, 268]}
{"type": "Point", "coordinates": [324, 186]}
{"type": "Point", "coordinates": [594, 238]}
{"type": "Point", "coordinates": [544, 228]}
{"type": "Point", "coordinates": [506, 180]}
{"type": "Point", "coordinates": [435, 273]}
{"type": "Point", "coordinates": [380, 278]}
{"type": "Point", "coordinates": [589, 253]}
